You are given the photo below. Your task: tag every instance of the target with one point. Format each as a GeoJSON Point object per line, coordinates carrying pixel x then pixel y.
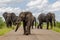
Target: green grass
{"type": "Point", "coordinates": [4, 31]}
{"type": "Point", "coordinates": [3, 28]}
{"type": "Point", "coordinates": [56, 29]}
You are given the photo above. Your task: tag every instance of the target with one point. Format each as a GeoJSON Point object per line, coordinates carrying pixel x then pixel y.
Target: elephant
{"type": "Point", "coordinates": [10, 18]}
{"type": "Point", "coordinates": [49, 17]}
{"type": "Point", "coordinates": [7, 17]}
{"type": "Point", "coordinates": [26, 18]}
{"type": "Point", "coordinates": [33, 22]}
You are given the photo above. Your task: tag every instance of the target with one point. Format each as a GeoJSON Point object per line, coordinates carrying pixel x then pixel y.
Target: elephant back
{"type": "Point", "coordinates": [42, 17]}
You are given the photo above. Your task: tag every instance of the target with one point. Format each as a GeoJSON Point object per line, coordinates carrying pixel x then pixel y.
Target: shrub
{"type": "Point", "coordinates": [2, 24]}
{"type": "Point", "coordinates": [58, 24]}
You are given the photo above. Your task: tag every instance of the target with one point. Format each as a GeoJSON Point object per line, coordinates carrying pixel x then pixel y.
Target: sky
{"type": "Point", "coordinates": [35, 6]}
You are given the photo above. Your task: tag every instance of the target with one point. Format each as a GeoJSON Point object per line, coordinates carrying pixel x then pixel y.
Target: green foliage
{"type": "Point", "coordinates": [2, 24]}
{"type": "Point", "coordinates": [36, 23]}
{"type": "Point", "coordinates": [3, 28]}
{"type": "Point", "coordinates": [56, 29]}
{"type": "Point", "coordinates": [58, 24]}
{"type": "Point", "coordinates": [4, 31]}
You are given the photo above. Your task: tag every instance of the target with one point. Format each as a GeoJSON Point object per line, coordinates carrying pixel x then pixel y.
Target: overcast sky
{"type": "Point", "coordinates": [35, 6]}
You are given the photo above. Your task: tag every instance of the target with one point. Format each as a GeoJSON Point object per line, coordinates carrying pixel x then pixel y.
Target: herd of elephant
{"type": "Point", "coordinates": [28, 20]}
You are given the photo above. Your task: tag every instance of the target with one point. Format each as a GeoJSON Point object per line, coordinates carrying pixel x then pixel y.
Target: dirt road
{"type": "Point", "coordinates": [36, 34]}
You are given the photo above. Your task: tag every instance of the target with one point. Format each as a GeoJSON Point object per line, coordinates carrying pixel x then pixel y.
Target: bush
{"type": "Point", "coordinates": [58, 24]}
{"type": "Point", "coordinates": [5, 30]}
{"type": "Point", "coordinates": [2, 24]}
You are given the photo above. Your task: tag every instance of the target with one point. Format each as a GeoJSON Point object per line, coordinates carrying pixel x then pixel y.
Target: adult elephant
{"type": "Point", "coordinates": [33, 22]}
{"type": "Point", "coordinates": [7, 17]}
{"type": "Point", "coordinates": [26, 18]}
{"type": "Point", "coordinates": [46, 18]}
{"type": "Point", "coordinates": [10, 18]}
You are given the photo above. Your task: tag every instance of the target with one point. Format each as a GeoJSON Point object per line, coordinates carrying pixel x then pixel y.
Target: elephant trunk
{"type": "Point", "coordinates": [17, 26]}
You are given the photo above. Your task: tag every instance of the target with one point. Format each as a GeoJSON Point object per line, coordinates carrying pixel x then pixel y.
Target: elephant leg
{"type": "Point", "coordinates": [24, 30]}
{"type": "Point", "coordinates": [28, 28]}
{"type": "Point", "coordinates": [32, 25]}
{"type": "Point", "coordinates": [40, 25]}
{"type": "Point", "coordinates": [24, 27]}
{"type": "Point", "coordinates": [7, 25]}
{"type": "Point", "coordinates": [10, 24]}
{"type": "Point", "coordinates": [51, 24]}
{"type": "Point", "coordinates": [47, 25]}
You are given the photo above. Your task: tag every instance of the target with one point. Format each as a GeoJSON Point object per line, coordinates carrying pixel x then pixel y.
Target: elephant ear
{"type": "Point", "coordinates": [13, 16]}
{"type": "Point", "coordinates": [5, 15]}
{"type": "Point", "coordinates": [22, 14]}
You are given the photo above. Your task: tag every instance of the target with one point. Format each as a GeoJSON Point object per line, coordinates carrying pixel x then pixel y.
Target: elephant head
{"type": "Point", "coordinates": [52, 15]}
{"type": "Point", "coordinates": [22, 16]}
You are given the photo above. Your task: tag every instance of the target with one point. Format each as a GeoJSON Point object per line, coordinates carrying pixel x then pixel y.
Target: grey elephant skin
{"type": "Point", "coordinates": [33, 22]}
{"type": "Point", "coordinates": [10, 19]}
{"type": "Point", "coordinates": [26, 18]}
{"type": "Point", "coordinates": [48, 18]}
